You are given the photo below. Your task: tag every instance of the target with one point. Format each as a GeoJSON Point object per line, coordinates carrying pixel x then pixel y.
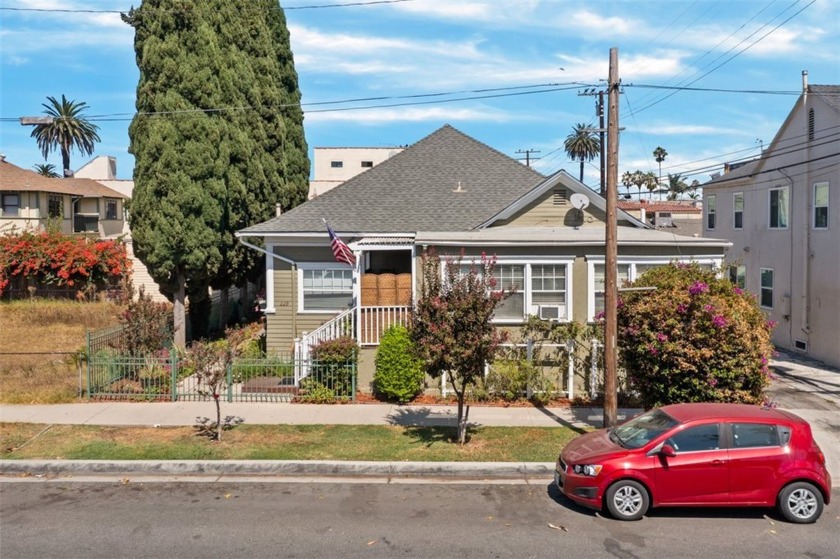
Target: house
{"type": "Point", "coordinates": [782, 214]}
{"type": "Point", "coordinates": [76, 205]}
{"type": "Point", "coordinates": [683, 217]}
{"type": "Point", "coordinates": [334, 165]}
{"type": "Point", "coordinates": [451, 193]}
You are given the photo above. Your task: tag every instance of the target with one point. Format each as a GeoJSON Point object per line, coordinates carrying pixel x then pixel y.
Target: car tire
{"type": "Point", "coordinates": [801, 503]}
{"type": "Point", "coordinates": [627, 500]}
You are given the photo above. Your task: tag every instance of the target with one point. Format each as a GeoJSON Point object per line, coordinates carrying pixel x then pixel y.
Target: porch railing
{"type": "Point", "coordinates": [373, 321]}
{"type": "Point", "coordinates": [343, 324]}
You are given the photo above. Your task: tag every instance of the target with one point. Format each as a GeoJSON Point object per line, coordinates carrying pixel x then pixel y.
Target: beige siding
{"type": "Point", "coordinates": [553, 209]}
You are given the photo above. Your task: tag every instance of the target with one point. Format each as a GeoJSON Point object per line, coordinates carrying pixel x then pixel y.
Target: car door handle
{"type": "Point", "coordinates": [718, 462]}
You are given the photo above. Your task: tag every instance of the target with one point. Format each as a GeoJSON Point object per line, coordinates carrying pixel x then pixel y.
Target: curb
{"type": "Point", "coordinates": [453, 470]}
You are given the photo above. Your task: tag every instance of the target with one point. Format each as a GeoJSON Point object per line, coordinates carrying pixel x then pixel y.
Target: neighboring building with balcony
{"type": "Point", "coordinates": [782, 214]}
{"type": "Point", "coordinates": [76, 205]}
{"type": "Point", "coordinates": [333, 166]}
{"type": "Point", "coordinates": [451, 193]}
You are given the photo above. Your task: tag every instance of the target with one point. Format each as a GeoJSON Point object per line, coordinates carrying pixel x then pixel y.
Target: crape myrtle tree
{"type": "Point", "coordinates": [450, 324]}
{"type": "Point", "coordinates": [210, 140]}
{"type": "Point", "coordinates": [695, 338]}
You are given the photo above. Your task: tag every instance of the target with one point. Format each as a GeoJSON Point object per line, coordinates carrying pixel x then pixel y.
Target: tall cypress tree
{"type": "Point", "coordinates": [202, 175]}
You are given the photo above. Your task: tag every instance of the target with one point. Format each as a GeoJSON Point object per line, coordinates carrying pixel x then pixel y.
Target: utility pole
{"type": "Point", "coordinates": [528, 153]}
{"type": "Point", "coordinates": [611, 250]}
{"type": "Point", "coordinates": [599, 112]}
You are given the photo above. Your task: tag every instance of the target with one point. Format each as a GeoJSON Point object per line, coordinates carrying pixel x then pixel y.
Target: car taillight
{"type": "Point", "coordinates": [820, 454]}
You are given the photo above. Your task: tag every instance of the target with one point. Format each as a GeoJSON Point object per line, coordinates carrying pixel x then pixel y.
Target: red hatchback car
{"type": "Point", "coordinates": [699, 455]}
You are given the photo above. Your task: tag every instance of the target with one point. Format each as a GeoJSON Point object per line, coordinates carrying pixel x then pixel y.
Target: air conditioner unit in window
{"type": "Point", "coordinates": [551, 312]}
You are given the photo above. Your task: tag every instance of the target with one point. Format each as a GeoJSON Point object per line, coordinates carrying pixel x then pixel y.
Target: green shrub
{"type": "Point", "coordinates": [399, 374]}
{"type": "Point", "coordinates": [696, 338]}
{"type": "Point", "coordinates": [336, 352]}
{"type": "Point", "coordinates": [510, 379]}
{"type": "Point", "coordinates": [314, 392]}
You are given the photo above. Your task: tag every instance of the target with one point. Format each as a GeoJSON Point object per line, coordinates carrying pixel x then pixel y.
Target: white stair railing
{"type": "Point", "coordinates": [343, 324]}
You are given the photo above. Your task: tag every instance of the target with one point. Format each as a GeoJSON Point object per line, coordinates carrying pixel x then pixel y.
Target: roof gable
{"type": "Point", "coordinates": [597, 209]}
{"type": "Point", "coordinates": [447, 181]}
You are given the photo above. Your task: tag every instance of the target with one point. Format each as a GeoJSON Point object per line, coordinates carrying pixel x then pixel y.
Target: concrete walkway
{"type": "Point", "coordinates": [806, 388]}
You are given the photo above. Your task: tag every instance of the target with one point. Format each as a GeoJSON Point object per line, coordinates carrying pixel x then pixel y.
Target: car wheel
{"type": "Point", "coordinates": [627, 500]}
{"type": "Point", "coordinates": [801, 503]}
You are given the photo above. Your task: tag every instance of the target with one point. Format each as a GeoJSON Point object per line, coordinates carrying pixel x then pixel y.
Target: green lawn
{"type": "Point", "coordinates": [282, 442]}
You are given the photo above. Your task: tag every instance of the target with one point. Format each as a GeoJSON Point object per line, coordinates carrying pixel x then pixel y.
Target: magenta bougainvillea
{"type": "Point", "coordinates": [64, 260]}
{"type": "Point", "coordinates": [696, 338]}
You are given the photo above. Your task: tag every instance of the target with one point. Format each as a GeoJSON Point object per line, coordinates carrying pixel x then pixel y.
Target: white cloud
{"type": "Point", "coordinates": [591, 24]}
{"type": "Point", "coordinates": [411, 114]}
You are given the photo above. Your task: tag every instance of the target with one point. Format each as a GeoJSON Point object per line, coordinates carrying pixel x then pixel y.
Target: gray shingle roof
{"type": "Point", "coordinates": [828, 93]}
{"type": "Point", "coordinates": [415, 190]}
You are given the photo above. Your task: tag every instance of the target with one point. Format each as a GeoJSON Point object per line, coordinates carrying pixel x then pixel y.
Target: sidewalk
{"type": "Point", "coordinates": [806, 388]}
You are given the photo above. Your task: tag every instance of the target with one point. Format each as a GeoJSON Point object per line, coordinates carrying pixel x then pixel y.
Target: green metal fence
{"type": "Point", "coordinates": [166, 377]}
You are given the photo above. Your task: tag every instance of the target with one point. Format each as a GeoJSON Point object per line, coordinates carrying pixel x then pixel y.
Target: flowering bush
{"type": "Point", "coordinates": [54, 258]}
{"type": "Point", "coordinates": [696, 338]}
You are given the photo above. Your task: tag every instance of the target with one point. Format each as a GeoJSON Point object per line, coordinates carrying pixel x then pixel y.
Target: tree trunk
{"type": "Point", "coordinates": [581, 169]}
{"type": "Point", "coordinates": [65, 162]}
{"type": "Point", "coordinates": [218, 418]}
{"type": "Point", "coordinates": [179, 331]}
{"type": "Point", "coordinates": [463, 417]}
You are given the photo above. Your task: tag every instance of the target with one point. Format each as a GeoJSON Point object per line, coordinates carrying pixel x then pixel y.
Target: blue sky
{"type": "Point", "coordinates": [418, 47]}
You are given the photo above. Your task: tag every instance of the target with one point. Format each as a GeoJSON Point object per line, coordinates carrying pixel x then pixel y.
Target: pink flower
{"type": "Point", "coordinates": [739, 291]}
{"type": "Point", "coordinates": [652, 350]}
{"type": "Point", "coordinates": [772, 324]}
{"type": "Point", "coordinates": [681, 308]}
{"type": "Point", "coordinates": [698, 287]}
{"type": "Point", "coordinates": [709, 308]}
{"type": "Point", "coordinates": [712, 381]}
{"type": "Point", "coordinates": [600, 316]}
{"type": "Point", "coordinates": [662, 337]}
{"type": "Point", "coordinates": [719, 321]}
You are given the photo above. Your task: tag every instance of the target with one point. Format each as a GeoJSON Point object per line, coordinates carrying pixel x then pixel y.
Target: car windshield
{"type": "Point", "coordinates": [639, 431]}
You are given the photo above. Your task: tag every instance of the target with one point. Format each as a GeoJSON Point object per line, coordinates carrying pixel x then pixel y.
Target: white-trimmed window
{"type": "Point", "coordinates": [711, 211]}
{"type": "Point", "coordinates": [738, 275]}
{"type": "Point", "coordinates": [738, 210]}
{"type": "Point", "coordinates": [600, 285]}
{"type": "Point", "coordinates": [110, 208]}
{"type": "Point", "coordinates": [325, 288]}
{"type": "Point", "coordinates": [10, 204]}
{"type": "Point", "coordinates": [779, 208]}
{"type": "Point", "coordinates": [535, 284]}
{"type": "Point", "coordinates": [627, 271]}
{"type": "Point", "coordinates": [821, 205]}
{"type": "Point", "coordinates": [766, 300]}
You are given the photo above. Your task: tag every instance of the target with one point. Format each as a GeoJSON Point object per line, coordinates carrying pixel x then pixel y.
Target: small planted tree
{"type": "Point", "coordinates": [695, 338]}
{"type": "Point", "coordinates": [399, 374]}
{"type": "Point", "coordinates": [210, 361]}
{"type": "Point", "coordinates": [451, 327]}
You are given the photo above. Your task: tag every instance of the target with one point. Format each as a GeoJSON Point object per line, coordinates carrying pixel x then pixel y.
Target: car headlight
{"type": "Point", "coordinates": [591, 470]}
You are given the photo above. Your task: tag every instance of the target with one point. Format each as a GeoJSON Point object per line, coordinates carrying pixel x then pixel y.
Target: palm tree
{"type": "Point", "coordinates": [676, 186]}
{"type": "Point", "coordinates": [582, 144]}
{"type": "Point", "coordinates": [67, 129]}
{"type": "Point", "coordinates": [46, 170]}
{"type": "Point", "coordinates": [659, 153]}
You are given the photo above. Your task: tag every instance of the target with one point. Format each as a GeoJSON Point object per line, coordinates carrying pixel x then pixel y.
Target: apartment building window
{"type": "Point", "coordinates": [600, 287]}
{"type": "Point", "coordinates": [55, 206]}
{"type": "Point", "coordinates": [710, 212]}
{"type": "Point", "coordinates": [738, 275]}
{"type": "Point", "coordinates": [367, 164]}
{"type": "Point", "coordinates": [821, 205]}
{"type": "Point", "coordinates": [327, 289]}
{"type": "Point", "coordinates": [548, 288]}
{"type": "Point", "coordinates": [110, 208]}
{"type": "Point", "coordinates": [738, 208]}
{"type": "Point", "coordinates": [337, 164]}
{"type": "Point", "coordinates": [11, 204]}
{"type": "Point", "coordinates": [779, 207]}
{"type": "Point", "coordinates": [767, 288]}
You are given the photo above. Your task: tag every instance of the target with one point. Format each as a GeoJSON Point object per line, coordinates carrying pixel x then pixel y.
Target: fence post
{"type": "Point", "coordinates": [593, 369]}
{"type": "Point", "coordinates": [570, 350]}
{"type": "Point", "coordinates": [229, 381]}
{"type": "Point", "coordinates": [353, 380]}
{"type": "Point", "coordinates": [529, 355]}
{"type": "Point", "coordinates": [173, 375]}
{"type": "Point", "coordinates": [87, 362]}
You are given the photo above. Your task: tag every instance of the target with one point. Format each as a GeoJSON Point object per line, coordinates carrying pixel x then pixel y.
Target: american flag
{"type": "Point", "coordinates": [340, 250]}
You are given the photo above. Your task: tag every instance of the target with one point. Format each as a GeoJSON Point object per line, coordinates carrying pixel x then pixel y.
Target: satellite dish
{"type": "Point", "coordinates": [579, 200]}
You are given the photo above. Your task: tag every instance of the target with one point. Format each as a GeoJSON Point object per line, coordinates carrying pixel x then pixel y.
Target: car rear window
{"type": "Point", "coordinates": [745, 435]}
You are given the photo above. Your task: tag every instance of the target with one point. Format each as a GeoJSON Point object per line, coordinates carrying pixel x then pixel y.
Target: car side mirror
{"type": "Point", "coordinates": [667, 450]}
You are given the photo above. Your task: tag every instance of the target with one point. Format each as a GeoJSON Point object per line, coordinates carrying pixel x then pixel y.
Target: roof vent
{"type": "Point", "coordinates": [559, 197]}
{"type": "Point", "coordinates": [2, 157]}
{"type": "Point", "coordinates": [458, 188]}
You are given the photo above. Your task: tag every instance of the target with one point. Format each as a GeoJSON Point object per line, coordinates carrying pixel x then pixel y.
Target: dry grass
{"type": "Point", "coordinates": [55, 329]}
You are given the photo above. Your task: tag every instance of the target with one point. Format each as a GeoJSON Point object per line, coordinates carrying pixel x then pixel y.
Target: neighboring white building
{"type": "Point", "coordinates": [782, 214]}
{"type": "Point", "coordinates": [333, 166]}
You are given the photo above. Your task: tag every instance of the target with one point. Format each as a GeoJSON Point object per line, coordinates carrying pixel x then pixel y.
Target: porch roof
{"type": "Point", "coordinates": [565, 236]}
{"type": "Point", "coordinates": [364, 242]}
